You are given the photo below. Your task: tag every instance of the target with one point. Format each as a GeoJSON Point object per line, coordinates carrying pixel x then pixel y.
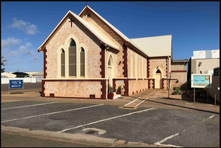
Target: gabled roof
{"type": "Point", "coordinates": [119, 33]}
{"type": "Point", "coordinates": [92, 29]}
{"type": "Point", "coordinates": [155, 46]}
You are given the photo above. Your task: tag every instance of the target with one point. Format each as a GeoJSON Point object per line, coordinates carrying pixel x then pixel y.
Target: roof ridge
{"type": "Point", "coordinates": [150, 37]}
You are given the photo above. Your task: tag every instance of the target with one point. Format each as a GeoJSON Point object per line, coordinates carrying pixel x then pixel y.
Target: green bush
{"type": "Point", "coordinates": [176, 90]}
{"type": "Point", "coordinates": [119, 88]}
{"type": "Point", "coordinates": [110, 89]}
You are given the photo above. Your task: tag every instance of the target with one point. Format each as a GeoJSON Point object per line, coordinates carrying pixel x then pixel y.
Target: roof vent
{"type": "Point", "coordinates": [88, 15]}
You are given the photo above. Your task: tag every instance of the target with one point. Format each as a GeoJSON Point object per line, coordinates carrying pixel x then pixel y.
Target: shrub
{"type": "Point", "coordinates": [119, 88]}
{"type": "Point", "coordinates": [110, 89]}
{"type": "Point", "coordinates": [176, 90]}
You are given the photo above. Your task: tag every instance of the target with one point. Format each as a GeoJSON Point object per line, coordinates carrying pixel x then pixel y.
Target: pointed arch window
{"type": "Point", "coordinates": [62, 63]}
{"type": "Point", "coordinates": [82, 62]}
{"type": "Point", "coordinates": [72, 58]}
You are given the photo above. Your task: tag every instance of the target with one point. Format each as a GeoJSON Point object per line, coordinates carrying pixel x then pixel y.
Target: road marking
{"type": "Point", "coordinates": [131, 101]}
{"type": "Point", "coordinates": [165, 139]}
{"type": "Point", "coordinates": [105, 120]}
{"type": "Point", "coordinates": [28, 105]}
{"type": "Point", "coordinates": [51, 113]}
{"type": "Point", "coordinates": [208, 118]}
{"type": "Point", "coordinates": [140, 102]}
{"type": "Point", "coordinates": [211, 116]}
{"type": "Point", "coordinates": [11, 101]}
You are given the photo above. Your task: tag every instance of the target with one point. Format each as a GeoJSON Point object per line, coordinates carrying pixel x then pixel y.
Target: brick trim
{"type": "Point", "coordinates": [162, 82]}
{"type": "Point", "coordinates": [114, 85]}
{"type": "Point", "coordinates": [126, 87]}
{"type": "Point", "coordinates": [43, 88]}
{"type": "Point", "coordinates": [102, 60]}
{"type": "Point", "coordinates": [148, 68]}
{"type": "Point", "coordinates": [45, 62]}
{"type": "Point", "coordinates": [125, 73]}
{"type": "Point", "coordinates": [153, 83]}
{"type": "Point", "coordinates": [103, 89]}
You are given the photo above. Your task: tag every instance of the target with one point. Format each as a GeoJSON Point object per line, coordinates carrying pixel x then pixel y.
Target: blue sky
{"type": "Point", "coordinates": [25, 26]}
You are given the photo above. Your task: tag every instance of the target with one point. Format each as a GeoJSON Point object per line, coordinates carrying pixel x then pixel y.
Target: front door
{"type": "Point", "coordinates": [157, 79]}
{"type": "Point", "coordinates": [110, 71]}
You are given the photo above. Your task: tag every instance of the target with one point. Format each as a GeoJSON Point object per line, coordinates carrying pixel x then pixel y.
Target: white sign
{"type": "Point", "coordinates": [201, 80]}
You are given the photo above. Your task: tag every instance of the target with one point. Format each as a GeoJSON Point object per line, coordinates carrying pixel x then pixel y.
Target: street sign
{"type": "Point", "coordinates": [201, 81]}
{"type": "Point", "coordinates": [16, 83]}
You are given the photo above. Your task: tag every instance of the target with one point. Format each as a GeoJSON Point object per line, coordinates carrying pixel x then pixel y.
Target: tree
{"type": "Point", "coordinates": [2, 64]}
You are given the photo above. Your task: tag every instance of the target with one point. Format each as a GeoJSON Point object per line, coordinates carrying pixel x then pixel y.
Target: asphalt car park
{"type": "Point", "coordinates": [164, 127]}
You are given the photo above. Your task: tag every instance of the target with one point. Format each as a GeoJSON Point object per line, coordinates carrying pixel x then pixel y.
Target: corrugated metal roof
{"type": "Point", "coordinates": [155, 46]}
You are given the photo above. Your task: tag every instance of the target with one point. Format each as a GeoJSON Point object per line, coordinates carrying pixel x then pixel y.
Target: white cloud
{"type": "Point", "coordinates": [27, 27]}
{"type": "Point", "coordinates": [32, 29]}
{"type": "Point", "coordinates": [26, 50]}
{"type": "Point", "coordinates": [8, 43]}
{"type": "Point", "coordinates": [14, 53]}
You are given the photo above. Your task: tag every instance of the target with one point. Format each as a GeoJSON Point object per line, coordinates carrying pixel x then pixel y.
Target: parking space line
{"type": "Point", "coordinates": [132, 101]}
{"type": "Point", "coordinates": [105, 120]}
{"type": "Point", "coordinates": [140, 102]}
{"type": "Point", "coordinates": [165, 139]}
{"type": "Point", "coordinates": [51, 113]}
{"type": "Point", "coordinates": [208, 118]}
{"type": "Point", "coordinates": [29, 105]}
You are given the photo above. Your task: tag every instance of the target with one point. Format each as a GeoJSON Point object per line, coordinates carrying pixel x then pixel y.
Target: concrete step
{"type": "Point", "coordinates": [117, 95]}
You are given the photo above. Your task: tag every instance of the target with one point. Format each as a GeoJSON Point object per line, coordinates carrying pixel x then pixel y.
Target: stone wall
{"type": "Point", "coordinates": [136, 86]}
{"type": "Point", "coordinates": [154, 62]}
{"type": "Point", "coordinates": [73, 89]}
{"type": "Point", "coordinates": [84, 37]}
{"type": "Point", "coordinates": [181, 76]}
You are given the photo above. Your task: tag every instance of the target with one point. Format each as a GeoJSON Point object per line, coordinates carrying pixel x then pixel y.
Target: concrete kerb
{"type": "Point", "coordinates": [65, 137]}
{"type": "Point", "coordinates": [55, 135]}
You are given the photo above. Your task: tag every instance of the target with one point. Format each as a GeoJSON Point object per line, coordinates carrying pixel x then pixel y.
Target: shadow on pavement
{"type": "Point", "coordinates": [182, 106]}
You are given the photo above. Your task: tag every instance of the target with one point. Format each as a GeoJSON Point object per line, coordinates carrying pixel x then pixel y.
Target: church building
{"type": "Point", "coordinates": [85, 54]}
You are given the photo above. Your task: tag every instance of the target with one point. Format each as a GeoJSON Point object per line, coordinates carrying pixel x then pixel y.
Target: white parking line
{"type": "Point", "coordinates": [132, 101]}
{"type": "Point", "coordinates": [208, 118]}
{"type": "Point", "coordinates": [140, 102]}
{"type": "Point", "coordinates": [28, 105]}
{"type": "Point", "coordinates": [165, 139]}
{"type": "Point", "coordinates": [105, 120]}
{"type": "Point", "coordinates": [51, 113]}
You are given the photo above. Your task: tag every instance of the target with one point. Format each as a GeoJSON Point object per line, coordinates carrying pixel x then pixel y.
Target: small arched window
{"type": "Point", "coordinates": [72, 58]}
{"type": "Point", "coordinates": [82, 61]}
{"type": "Point", "coordinates": [62, 63]}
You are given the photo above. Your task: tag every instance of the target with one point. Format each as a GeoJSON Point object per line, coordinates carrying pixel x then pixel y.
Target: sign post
{"type": "Point", "coordinates": [201, 81]}
{"type": "Point", "coordinates": [16, 84]}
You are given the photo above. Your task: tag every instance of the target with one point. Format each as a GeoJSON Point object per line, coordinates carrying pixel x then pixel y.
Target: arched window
{"type": "Point", "coordinates": [72, 58]}
{"type": "Point", "coordinates": [82, 59]}
{"type": "Point", "coordinates": [62, 63]}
